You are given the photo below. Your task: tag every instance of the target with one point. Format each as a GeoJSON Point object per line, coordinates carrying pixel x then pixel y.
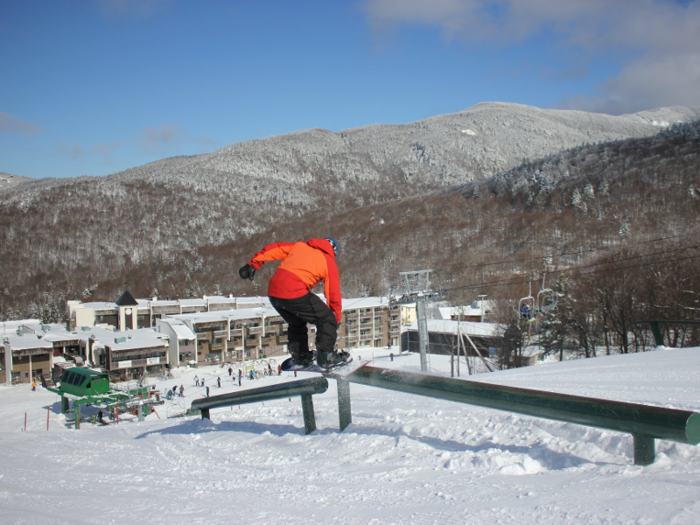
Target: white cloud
{"type": "Point", "coordinates": [658, 37]}
{"type": "Point", "coordinates": [75, 152]}
{"type": "Point", "coordinates": [12, 125]}
{"type": "Point", "coordinates": [164, 139]}
{"type": "Point", "coordinates": [79, 153]}
{"type": "Point", "coordinates": [105, 150]}
{"type": "Point", "coordinates": [453, 17]}
{"type": "Point", "coordinates": [651, 82]}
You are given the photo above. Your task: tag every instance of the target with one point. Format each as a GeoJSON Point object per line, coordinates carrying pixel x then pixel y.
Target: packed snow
{"type": "Point", "coordinates": [404, 459]}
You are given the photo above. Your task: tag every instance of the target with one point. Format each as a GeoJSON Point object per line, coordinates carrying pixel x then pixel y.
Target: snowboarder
{"type": "Point", "coordinates": [207, 391]}
{"type": "Point", "coordinates": [305, 264]}
{"type": "Point", "coordinates": [196, 380]}
{"type": "Point", "coordinates": [182, 390]}
{"type": "Point", "coordinates": [218, 382]}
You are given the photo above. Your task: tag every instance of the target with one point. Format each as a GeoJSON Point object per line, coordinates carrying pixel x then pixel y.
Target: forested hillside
{"type": "Point", "coordinates": [611, 229]}
{"type": "Point", "coordinates": [450, 193]}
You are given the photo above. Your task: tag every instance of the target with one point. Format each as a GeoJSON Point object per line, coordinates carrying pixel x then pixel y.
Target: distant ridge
{"type": "Point", "coordinates": [7, 180]}
{"type": "Point", "coordinates": [183, 220]}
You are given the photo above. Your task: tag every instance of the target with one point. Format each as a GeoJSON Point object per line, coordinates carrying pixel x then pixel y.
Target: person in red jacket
{"type": "Point", "coordinates": [305, 264]}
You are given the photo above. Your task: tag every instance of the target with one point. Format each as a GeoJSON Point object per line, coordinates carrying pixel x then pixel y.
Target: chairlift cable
{"type": "Point", "coordinates": [521, 280]}
{"type": "Point", "coordinates": [577, 252]}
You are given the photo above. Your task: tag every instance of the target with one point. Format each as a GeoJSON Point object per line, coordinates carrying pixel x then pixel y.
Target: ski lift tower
{"type": "Point", "coordinates": [417, 285]}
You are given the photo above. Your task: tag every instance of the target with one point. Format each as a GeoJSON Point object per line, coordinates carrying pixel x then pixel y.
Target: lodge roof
{"type": "Point", "coordinates": [126, 300]}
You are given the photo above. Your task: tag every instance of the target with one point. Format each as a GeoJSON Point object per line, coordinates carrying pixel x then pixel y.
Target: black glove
{"type": "Point", "coordinates": [247, 272]}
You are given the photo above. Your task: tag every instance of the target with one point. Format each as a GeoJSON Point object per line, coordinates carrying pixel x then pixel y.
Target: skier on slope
{"type": "Point", "coordinates": [305, 264]}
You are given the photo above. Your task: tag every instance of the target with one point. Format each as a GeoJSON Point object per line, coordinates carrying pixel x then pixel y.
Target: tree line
{"type": "Point", "coordinates": [607, 305]}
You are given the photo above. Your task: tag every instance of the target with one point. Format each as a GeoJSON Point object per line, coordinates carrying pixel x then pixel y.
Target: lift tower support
{"type": "Point", "coordinates": [417, 290]}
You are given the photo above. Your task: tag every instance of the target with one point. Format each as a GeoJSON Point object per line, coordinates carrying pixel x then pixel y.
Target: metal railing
{"type": "Point", "coordinates": [645, 423]}
{"type": "Point", "coordinates": [304, 388]}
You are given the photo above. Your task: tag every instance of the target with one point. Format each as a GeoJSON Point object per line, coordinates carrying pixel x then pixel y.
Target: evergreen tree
{"type": "Point", "coordinates": [512, 346]}
{"type": "Point", "coordinates": [557, 321]}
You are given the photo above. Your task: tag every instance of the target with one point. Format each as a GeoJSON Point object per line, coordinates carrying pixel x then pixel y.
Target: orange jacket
{"type": "Point", "coordinates": [304, 264]}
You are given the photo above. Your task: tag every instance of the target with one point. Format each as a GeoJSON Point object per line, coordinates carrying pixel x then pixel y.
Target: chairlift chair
{"type": "Point", "coordinates": [526, 307]}
{"type": "Point", "coordinates": [546, 300]}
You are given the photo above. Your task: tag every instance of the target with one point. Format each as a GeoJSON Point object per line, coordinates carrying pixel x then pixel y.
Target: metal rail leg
{"type": "Point", "coordinates": [644, 450]}
{"type": "Point", "coordinates": [344, 408]}
{"type": "Point", "coordinates": [307, 407]}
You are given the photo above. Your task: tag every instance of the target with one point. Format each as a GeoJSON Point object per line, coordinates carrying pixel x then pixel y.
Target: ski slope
{"type": "Point", "coordinates": [404, 460]}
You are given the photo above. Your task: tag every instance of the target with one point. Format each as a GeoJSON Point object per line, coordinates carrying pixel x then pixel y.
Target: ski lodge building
{"type": "Point", "coordinates": [29, 349]}
{"type": "Point", "coordinates": [134, 337]}
{"type": "Point", "coordinates": [131, 338]}
{"type": "Point", "coordinates": [446, 336]}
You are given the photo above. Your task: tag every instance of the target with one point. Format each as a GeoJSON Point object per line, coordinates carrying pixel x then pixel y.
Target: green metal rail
{"type": "Point", "coordinates": [644, 422]}
{"type": "Point", "coordinates": [304, 388]}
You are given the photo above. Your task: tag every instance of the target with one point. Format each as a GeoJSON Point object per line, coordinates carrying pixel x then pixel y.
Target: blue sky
{"type": "Point", "coordinates": [92, 87]}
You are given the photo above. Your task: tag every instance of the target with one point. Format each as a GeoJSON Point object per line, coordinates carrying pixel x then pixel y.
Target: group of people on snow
{"type": "Point", "coordinates": [175, 392]}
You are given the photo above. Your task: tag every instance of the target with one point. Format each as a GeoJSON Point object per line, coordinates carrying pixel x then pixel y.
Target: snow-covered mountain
{"type": "Point", "coordinates": [310, 168]}
{"type": "Point", "coordinates": [7, 180]}
{"type": "Point", "coordinates": [158, 217]}
{"type": "Point", "coordinates": [387, 161]}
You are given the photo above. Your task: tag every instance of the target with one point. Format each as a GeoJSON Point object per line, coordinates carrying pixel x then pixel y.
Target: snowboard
{"type": "Point", "coordinates": [340, 370]}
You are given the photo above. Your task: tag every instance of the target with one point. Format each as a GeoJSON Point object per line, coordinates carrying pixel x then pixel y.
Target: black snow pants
{"type": "Point", "coordinates": [312, 310]}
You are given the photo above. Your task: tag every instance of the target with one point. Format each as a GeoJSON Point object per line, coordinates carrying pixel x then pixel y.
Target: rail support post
{"type": "Point", "coordinates": [205, 413]}
{"type": "Point", "coordinates": [307, 407]}
{"type": "Point", "coordinates": [658, 335]}
{"type": "Point", "coordinates": [344, 408]}
{"type": "Point", "coordinates": [644, 450]}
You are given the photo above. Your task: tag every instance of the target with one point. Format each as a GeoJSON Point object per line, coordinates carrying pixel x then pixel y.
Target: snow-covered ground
{"type": "Point", "coordinates": [404, 460]}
